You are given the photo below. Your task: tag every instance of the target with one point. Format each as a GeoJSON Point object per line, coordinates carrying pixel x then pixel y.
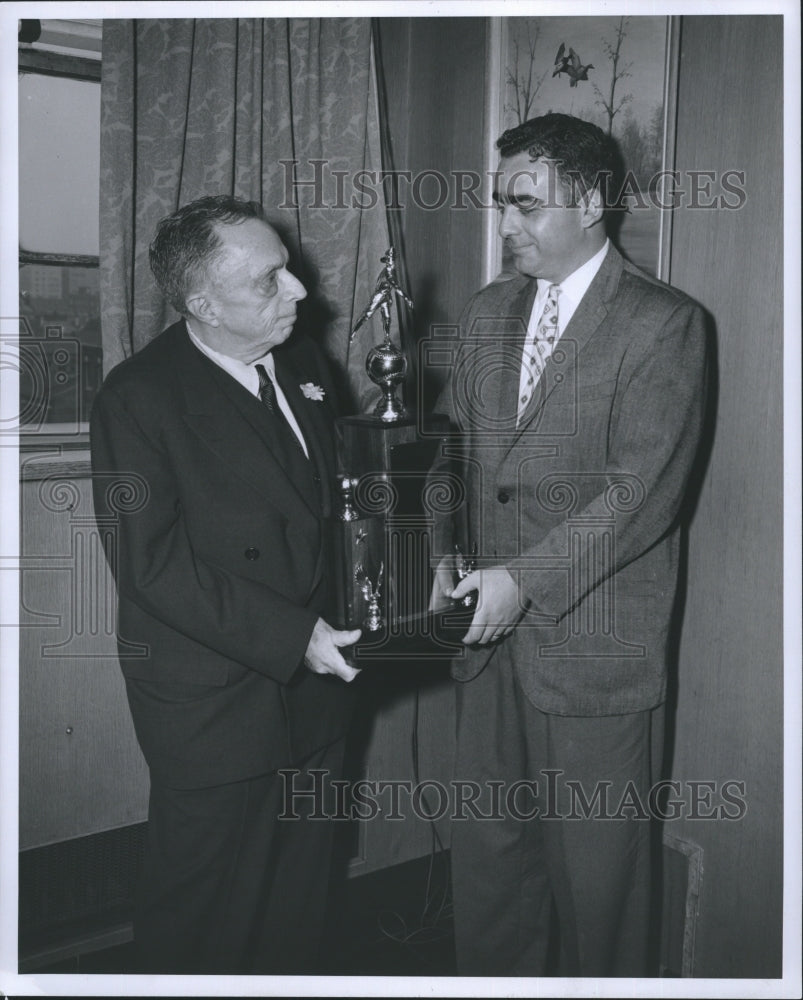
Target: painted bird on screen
{"type": "Point", "coordinates": [571, 65]}
{"type": "Point", "coordinates": [575, 70]}
{"type": "Point", "coordinates": [561, 60]}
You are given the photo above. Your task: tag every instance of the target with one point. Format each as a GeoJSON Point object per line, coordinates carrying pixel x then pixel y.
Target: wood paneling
{"type": "Point", "coordinates": [81, 770]}
{"type": "Point", "coordinates": [730, 679]}
{"type": "Point", "coordinates": [435, 72]}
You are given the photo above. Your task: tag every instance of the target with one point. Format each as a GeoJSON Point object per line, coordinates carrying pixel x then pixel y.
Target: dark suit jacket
{"type": "Point", "coordinates": [221, 563]}
{"type": "Point", "coordinates": [581, 501]}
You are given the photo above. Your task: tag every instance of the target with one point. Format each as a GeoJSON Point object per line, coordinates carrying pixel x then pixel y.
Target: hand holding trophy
{"type": "Point", "coordinates": [381, 519]}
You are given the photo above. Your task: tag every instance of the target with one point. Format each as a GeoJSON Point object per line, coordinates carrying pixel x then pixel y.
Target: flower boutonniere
{"type": "Point", "coordinates": [312, 391]}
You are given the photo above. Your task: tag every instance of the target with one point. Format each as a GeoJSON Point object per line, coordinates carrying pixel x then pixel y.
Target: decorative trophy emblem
{"type": "Point", "coordinates": [464, 565]}
{"type": "Point", "coordinates": [373, 620]}
{"type": "Point", "coordinates": [347, 511]}
{"type": "Point", "coordinates": [385, 364]}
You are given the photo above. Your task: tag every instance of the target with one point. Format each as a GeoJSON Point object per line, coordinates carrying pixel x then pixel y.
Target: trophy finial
{"type": "Point", "coordinates": [373, 620]}
{"type": "Point", "coordinates": [385, 364]}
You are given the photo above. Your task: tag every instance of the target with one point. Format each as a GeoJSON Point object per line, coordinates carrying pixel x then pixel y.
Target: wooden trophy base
{"type": "Point", "coordinates": [383, 542]}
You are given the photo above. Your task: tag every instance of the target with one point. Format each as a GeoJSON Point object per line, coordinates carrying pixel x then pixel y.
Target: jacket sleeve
{"type": "Point", "coordinates": [157, 567]}
{"type": "Point", "coordinates": [655, 429]}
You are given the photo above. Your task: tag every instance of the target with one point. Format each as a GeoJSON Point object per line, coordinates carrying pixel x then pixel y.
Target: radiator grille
{"type": "Point", "coordinates": [78, 885]}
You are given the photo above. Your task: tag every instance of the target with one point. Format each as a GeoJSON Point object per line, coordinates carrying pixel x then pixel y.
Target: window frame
{"type": "Point", "coordinates": [46, 63]}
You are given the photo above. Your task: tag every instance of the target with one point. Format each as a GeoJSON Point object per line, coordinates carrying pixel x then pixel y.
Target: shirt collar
{"type": "Point", "coordinates": [244, 373]}
{"type": "Point", "coordinates": [576, 285]}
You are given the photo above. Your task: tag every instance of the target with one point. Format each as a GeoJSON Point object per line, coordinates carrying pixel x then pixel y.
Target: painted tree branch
{"type": "Point", "coordinates": [613, 52]}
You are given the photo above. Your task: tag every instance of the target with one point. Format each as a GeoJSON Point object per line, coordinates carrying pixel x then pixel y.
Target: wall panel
{"type": "Point", "coordinates": [729, 693]}
{"type": "Point", "coordinates": [81, 770]}
{"type": "Point", "coordinates": [436, 76]}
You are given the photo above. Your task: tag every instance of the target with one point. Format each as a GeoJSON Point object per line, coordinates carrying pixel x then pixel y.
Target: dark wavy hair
{"type": "Point", "coordinates": [187, 242]}
{"type": "Point", "coordinates": [585, 157]}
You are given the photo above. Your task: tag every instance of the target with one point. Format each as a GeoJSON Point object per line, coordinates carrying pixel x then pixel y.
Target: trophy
{"type": "Point", "coordinates": [347, 511]}
{"type": "Point", "coordinates": [466, 565]}
{"type": "Point", "coordinates": [385, 364]}
{"type": "Point", "coordinates": [382, 524]}
{"type": "Point", "coordinates": [373, 621]}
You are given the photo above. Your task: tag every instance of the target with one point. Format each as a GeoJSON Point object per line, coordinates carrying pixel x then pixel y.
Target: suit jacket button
{"type": "Point", "coordinates": [251, 553]}
{"type": "Point", "coordinates": [502, 496]}
{"type": "Point", "coordinates": [316, 479]}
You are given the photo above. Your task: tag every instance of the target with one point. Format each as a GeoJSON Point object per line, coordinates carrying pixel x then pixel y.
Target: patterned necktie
{"type": "Point", "coordinates": [267, 393]}
{"type": "Point", "coordinates": [537, 348]}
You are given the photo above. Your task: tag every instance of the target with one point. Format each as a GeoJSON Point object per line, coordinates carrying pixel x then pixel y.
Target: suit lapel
{"type": "Point", "coordinates": [586, 320]}
{"type": "Point", "coordinates": [314, 417]}
{"type": "Point", "coordinates": [316, 420]}
{"type": "Point", "coordinates": [230, 422]}
{"type": "Point", "coordinates": [518, 315]}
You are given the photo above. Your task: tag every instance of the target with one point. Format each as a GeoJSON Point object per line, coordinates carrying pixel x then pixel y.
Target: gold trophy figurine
{"type": "Point", "coordinates": [465, 566]}
{"type": "Point", "coordinates": [373, 621]}
{"type": "Point", "coordinates": [385, 364]}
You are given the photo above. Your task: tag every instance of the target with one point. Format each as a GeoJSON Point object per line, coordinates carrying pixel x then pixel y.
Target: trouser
{"type": "Point", "coordinates": [550, 841]}
{"type": "Point", "coordinates": [228, 886]}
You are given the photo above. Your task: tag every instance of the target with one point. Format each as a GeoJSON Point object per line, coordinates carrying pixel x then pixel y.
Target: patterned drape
{"type": "Point", "coordinates": [195, 107]}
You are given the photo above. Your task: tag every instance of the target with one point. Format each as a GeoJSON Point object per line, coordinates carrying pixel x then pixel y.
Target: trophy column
{"type": "Point", "coordinates": [382, 531]}
{"type": "Point", "coordinates": [383, 527]}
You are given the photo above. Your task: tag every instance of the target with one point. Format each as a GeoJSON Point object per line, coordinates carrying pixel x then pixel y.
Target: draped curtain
{"type": "Point", "coordinates": [197, 107]}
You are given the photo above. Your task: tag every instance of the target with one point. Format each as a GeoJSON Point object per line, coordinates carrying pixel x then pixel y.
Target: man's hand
{"type": "Point", "coordinates": [323, 654]}
{"type": "Point", "coordinates": [442, 584]}
{"type": "Point", "coordinates": [498, 604]}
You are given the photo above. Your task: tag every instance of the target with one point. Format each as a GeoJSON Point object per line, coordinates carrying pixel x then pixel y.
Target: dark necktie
{"type": "Point", "coordinates": [267, 393]}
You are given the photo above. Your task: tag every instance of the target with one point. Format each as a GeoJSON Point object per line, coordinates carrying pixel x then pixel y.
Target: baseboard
{"type": "Point", "coordinates": [68, 947]}
{"type": "Point", "coordinates": [682, 871]}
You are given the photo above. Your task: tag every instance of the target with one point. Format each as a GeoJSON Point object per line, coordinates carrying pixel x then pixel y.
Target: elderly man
{"type": "Point", "coordinates": [579, 389]}
{"type": "Point", "coordinates": [225, 421]}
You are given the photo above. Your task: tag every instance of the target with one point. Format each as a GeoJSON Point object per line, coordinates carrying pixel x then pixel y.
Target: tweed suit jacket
{"type": "Point", "coordinates": [581, 501]}
{"type": "Point", "coordinates": [221, 564]}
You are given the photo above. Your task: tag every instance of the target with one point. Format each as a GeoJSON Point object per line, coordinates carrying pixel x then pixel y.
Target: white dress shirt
{"type": "Point", "coordinates": [248, 377]}
{"type": "Point", "coordinates": [571, 291]}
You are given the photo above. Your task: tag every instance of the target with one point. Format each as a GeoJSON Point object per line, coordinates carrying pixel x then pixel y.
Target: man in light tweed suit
{"type": "Point", "coordinates": [578, 389]}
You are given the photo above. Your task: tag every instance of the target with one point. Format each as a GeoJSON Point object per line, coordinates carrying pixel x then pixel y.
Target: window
{"type": "Point", "coordinates": [60, 353]}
